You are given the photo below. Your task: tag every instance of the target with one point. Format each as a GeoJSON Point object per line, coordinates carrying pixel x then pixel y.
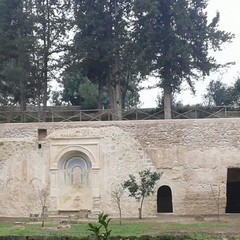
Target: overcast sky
{"type": "Point", "coordinates": [229, 21]}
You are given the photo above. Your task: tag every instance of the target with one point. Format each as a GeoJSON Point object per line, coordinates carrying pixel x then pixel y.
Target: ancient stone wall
{"type": "Point", "coordinates": [194, 156]}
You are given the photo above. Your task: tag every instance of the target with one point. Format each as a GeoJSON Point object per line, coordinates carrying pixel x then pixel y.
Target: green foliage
{"type": "Point", "coordinates": [130, 230]}
{"type": "Point", "coordinates": [113, 42]}
{"type": "Point", "coordinates": [50, 30]}
{"type": "Point", "coordinates": [103, 220]}
{"type": "Point", "coordinates": [219, 94]}
{"type": "Point", "coordinates": [131, 96]}
{"type": "Point", "coordinates": [79, 91]}
{"type": "Point", "coordinates": [15, 61]}
{"type": "Point", "coordinates": [89, 93]}
{"type": "Point", "coordinates": [144, 188]}
{"type": "Point", "coordinates": [236, 91]}
{"type": "Point", "coordinates": [15, 81]}
{"type": "Point", "coordinates": [173, 40]}
{"type": "Point", "coordinates": [31, 33]}
{"type": "Point", "coordinates": [104, 45]}
{"type": "Point", "coordinates": [71, 85]}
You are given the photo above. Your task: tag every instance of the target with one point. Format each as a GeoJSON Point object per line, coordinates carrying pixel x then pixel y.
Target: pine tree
{"type": "Point", "coordinates": [103, 44]}
{"type": "Point", "coordinates": [174, 39]}
{"type": "Point", "coordinates": [51, 26]}
{"type": "Point", "coordinates": [16, 41]}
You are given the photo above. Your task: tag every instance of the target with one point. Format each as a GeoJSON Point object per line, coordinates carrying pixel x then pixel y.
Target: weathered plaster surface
{"type": "Point", "coordinates": [193, 154]}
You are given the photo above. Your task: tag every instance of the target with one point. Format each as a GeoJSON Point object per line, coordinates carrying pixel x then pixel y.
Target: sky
{"type": "Point", "coordinates": [230, 22]}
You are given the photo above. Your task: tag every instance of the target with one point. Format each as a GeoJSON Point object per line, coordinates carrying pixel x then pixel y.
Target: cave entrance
{"type": "Point", "coordinates": [233, 190]}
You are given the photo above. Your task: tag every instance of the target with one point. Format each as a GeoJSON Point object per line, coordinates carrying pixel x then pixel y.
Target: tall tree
{"type": "Point", "coordinates": [71, 85]}
{"type": "Point", "coordinates": [219, 94]}
{"type": "Point", "coordinates": [174, 39]}
{"type": "Point", "coordinates": [51, 27]}
{"type": "Point", "coordinates": [16, 41]}
{"type": "Point", "coordinates": [103, 43]}
{"type": "Point", "coordinates": [236, 91]}
{"type": "Point", "coordinates": [33, 35]}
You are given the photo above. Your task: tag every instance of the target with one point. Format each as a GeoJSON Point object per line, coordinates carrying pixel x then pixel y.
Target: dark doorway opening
{"type": "Point", "coordinates": [164, 200]}
{"type": "Point", "coordinates": [233, 190]}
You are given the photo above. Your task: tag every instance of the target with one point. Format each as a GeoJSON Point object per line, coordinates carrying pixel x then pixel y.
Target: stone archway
{"type": "Point", "coordinates": [164, 200]}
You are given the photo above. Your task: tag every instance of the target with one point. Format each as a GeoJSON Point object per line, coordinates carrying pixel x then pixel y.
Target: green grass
{"type": "Point", "coordinates": [128, 228]}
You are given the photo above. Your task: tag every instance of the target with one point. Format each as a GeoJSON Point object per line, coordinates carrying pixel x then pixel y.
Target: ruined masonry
{"type": "Point", "coordinates": [80, 163]}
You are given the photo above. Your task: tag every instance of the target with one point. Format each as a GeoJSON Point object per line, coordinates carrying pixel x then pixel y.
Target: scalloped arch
{"type": "Point", "coordinates": [70, 151]}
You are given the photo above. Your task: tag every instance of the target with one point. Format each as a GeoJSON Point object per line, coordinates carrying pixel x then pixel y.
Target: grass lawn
{"type": "Point", "coordinates": [201, 230]}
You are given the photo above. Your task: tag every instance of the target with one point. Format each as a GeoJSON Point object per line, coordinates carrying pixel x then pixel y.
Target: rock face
{"type": "Point", "coordinates": [79, 163]}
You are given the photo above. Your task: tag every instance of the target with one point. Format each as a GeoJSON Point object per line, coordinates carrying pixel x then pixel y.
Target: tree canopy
{"type": "Point", "coordinates": [174, 39]}
{"type": "Point", "coordinates": [103, 49]}
{"type": "Point", "coordinates": [219, 94]}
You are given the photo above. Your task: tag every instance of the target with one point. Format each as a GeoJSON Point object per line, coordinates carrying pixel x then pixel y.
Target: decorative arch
{"type": "Point", "coordinates": [74, 173]}
{"type": "Point", "coordinates": [75, 168]}
{"type": "Point", "coordinates": [164, 200]}
{"type": "Point", "coordinates": [69, 151]}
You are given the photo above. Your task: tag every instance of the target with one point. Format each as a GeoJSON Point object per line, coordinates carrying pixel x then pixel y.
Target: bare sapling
{"type": "Point", "coordinates": [216, 192]}
{"type": "Point", "coordinates": [116, 193]}
{"type": "Point", "coordinates": [43, 194]}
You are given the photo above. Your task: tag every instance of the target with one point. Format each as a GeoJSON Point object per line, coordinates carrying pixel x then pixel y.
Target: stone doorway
{"type": "Point", "coordinates": [233, 190]}
{"type": "Point", "coordinates": [164, 200]}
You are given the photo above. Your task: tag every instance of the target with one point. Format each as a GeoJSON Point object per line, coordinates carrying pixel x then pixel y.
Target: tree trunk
{"type": "Point", "coordinates": [115, 90]}
{"type": "Point", "coordinates": [23, 106]}
{"type": "Point", "coordinates": [46, 47]}
{"type": "Point", "coordinates": [140, 208]}
{"type": "Point", "coordinates": [120, 212]}
{"type": "Point", "coordinates": [39, 101]}
{"type": "Point", "coordinates": [100, 105]}
{"type": "Point", "coordinates": [114, 84]}
{"type": "Point", "coordinates": [115, 98]}
{"type": "Point", "coordinates": [167, 99]}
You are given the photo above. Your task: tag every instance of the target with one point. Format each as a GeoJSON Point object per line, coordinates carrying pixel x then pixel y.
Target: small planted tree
{"type": "Point", "coordinates": [43, 194]}
{"type": "Point", "coordinates": [116, 193]}
{"type": "Point", "coordinates": [142, 189]}
{"type": "Point", "coordinates": [216, 192]}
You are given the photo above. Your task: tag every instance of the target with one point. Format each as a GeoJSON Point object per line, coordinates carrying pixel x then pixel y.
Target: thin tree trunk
{"type": "Point", "coordinates": [167, 98]}
{"type": "Point", "coordinates": [115, 91]}
{"type": "Point", "coordinates": [118, 102]}
{"type": "Point", "coordinates": [39, 100]}
{"type": "Point", "coordinates": [120, 212]}
{"type": "Point", "coordinates": [46, 43]}
{"type": "Point", "coordinates": [140, 209]}
{"type": "Point", "coordinates": [43, 216]}
{"type": "Point", "coordinates": [100, 105]}
{"type": "Point", "coordinates": [115, 98]}
{"type": "Point", "coordinates": [23, 104]}
{"type": "Point", "coordinates": [115, 94]}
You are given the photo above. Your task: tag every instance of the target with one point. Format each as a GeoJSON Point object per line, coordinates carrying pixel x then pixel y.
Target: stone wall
{"type": "Point", "coordinates": [194, 156]}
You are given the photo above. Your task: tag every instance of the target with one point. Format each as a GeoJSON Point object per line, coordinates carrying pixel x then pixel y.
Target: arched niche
{"type": "Point", "coordinates": [74, 169]}
{"type": "Point", "coordinates": [74, 173]}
